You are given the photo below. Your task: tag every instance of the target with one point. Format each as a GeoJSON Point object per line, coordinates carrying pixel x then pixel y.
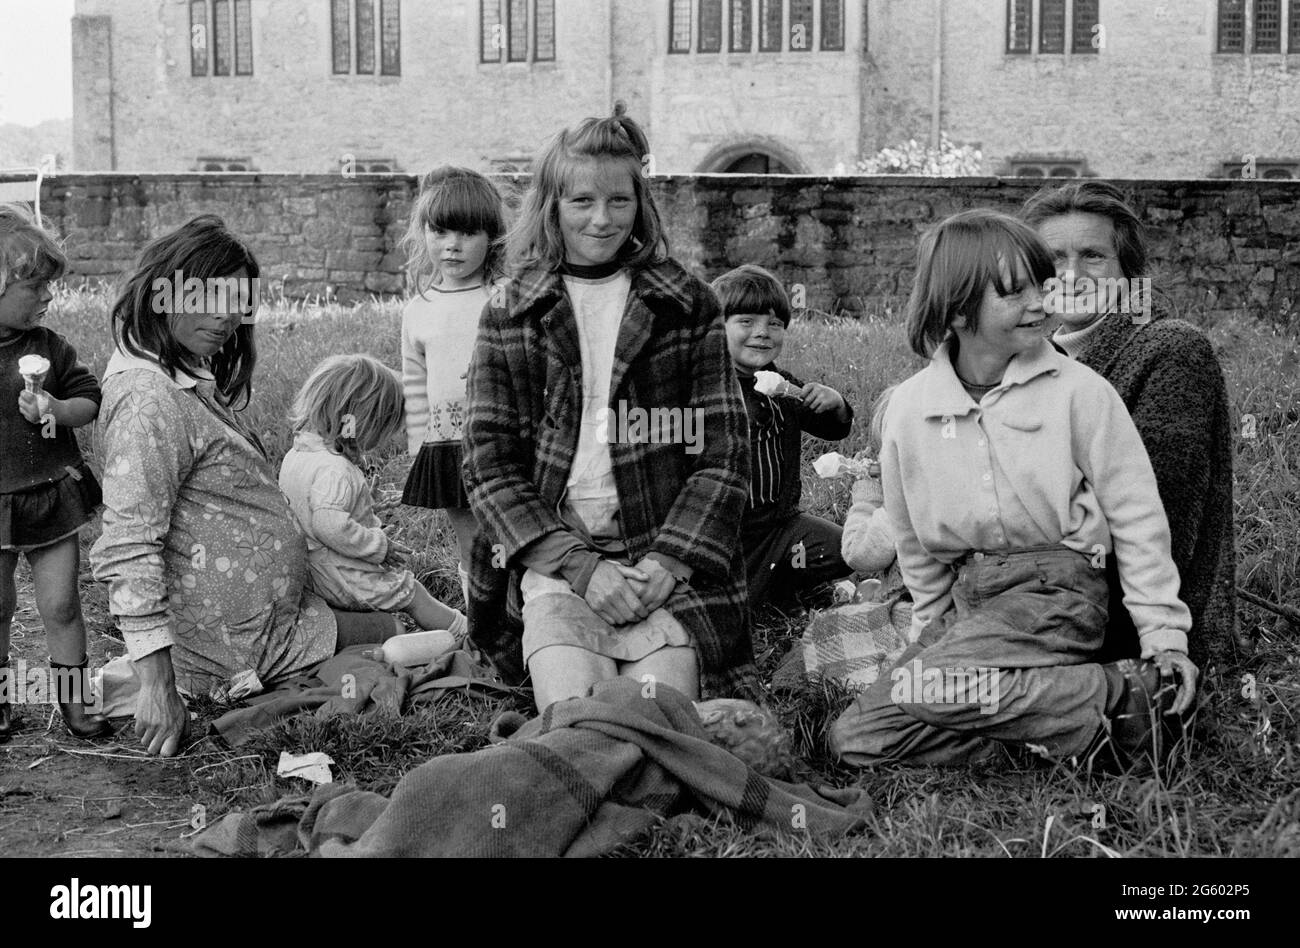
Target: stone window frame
{"type": "Point", "coordinates": [1036, 16]}
{"type": "Point", "coordinates": [220, 38]}
{"type": "Point", "coordinates": [1236, 32]}
{"type": "Point", "coordinates": [379, 51]}
{"type": "Point", "coordinates": [1266, 169]}
{"type": "Point", "coordinates": [373, 165]}
{"type": "Point", "coordinates": [224, 165]}
{"type": "Point", "coordinates": [521, 38]}
{"type": "Point", "coordinates": [687, 27]}
{"type": "Point", "coordinates": [1045, 166]}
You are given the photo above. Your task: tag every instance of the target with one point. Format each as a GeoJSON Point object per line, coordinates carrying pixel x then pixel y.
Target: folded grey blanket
{"type": "Point", "coordinates": [588, 775]}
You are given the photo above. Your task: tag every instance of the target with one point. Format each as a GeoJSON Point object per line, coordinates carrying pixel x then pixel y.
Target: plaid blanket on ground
{"type": "Point", "coordinates": [587, 776]}
{"type": "Point", "coordinates": [853, 644]}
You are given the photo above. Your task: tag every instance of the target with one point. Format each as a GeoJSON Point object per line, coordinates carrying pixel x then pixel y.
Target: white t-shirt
{"type": "Point", "coordinates": [598, 307]}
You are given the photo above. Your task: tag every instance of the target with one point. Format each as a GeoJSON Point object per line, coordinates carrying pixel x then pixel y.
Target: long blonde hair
{"type": "Point", "coordinates": [354, 402]}
{"type": "Point", "coordinates": [535, 239]}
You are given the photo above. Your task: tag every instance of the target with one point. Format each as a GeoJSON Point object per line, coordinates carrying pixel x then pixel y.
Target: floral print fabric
{"type": "Point", "coordinates": [200, 551]}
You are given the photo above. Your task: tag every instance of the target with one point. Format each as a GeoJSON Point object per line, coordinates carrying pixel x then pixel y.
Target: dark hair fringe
{"type": "Point", "coordinates": [750, 288]}
{"type": "Point", "coordinates": [460, 199]}
{"type": "Point", "coordinates": [202, 248]}
{"type": "Point", "coordinates": [957, 261]}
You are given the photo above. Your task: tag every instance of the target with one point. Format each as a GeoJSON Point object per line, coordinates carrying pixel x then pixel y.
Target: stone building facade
{"type": "Point", "coordinates": [1116, 88]}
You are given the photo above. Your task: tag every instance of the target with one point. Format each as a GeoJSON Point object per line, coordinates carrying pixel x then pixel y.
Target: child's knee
{"type": "Point", "coordinates": [868, 732]}
{"type": "Point", "coordinates": [60, 609]}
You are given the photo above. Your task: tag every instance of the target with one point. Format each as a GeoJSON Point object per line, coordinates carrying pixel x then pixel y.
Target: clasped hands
{"type": "Point", "coordinates": [622, 594]}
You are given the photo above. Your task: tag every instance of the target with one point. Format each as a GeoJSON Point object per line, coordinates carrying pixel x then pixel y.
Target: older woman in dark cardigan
{"type": "Point", "coordinates": [1170, 379]}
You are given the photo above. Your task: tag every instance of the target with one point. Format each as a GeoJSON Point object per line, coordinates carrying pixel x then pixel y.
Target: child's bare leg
{"type": "Point", "coordinates": [428, 612]}
{"type": "Point", "coordinates": [8, 603]}
{"type": "Point", "coordinates": [675, 666]}
{"type": "Point", "coordinates": [465, 526]}
{"type": "Point", "coordinates": [58, 600]}
{"type": "Point", "coordinates": [565, 671]}
{"type": "Point", "coordinates": [8, 598]}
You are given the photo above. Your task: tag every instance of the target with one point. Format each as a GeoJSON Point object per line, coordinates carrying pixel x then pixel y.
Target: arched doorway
{"type": "Point", "coordinates": [753, 156]}
{"type": "Point", "coordinates": [756, 163]}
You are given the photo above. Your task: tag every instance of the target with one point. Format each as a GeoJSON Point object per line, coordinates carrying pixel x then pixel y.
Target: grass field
{"type": "Point", "coordinates": [1238, 795]}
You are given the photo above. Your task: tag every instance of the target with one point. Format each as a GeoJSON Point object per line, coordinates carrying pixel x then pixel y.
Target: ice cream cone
{"type": "Point", "coordinates": [773, 384]}
{"type": "Point", "coordinates": [33, 369]}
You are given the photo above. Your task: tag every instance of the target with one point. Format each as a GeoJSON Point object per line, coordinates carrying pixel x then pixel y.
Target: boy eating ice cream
{"type": "Point", "coordinates": [786, 550]}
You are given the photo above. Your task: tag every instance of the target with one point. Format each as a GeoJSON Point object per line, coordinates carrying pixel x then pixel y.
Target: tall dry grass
{"type": "Point", "coordinates": [1238, 795]}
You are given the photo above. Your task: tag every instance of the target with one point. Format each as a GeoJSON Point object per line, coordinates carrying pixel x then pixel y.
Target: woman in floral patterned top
{"type": "Point", "coordinates": [205, 564]}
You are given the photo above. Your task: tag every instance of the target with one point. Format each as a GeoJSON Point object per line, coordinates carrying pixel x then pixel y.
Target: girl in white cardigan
{"type": "Point", "coordinates": [867, 543]}
{"type": "Point", "coordinates": [1010, 474]}
{"type": "Point", "coordinates": [453, 248]}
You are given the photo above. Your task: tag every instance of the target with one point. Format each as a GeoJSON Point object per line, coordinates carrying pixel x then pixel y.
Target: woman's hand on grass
{"type": "Point", "coordinates": [612, 593]}
{"type": "Point", "coordinates": [162, 721]}
{"type": "Point", "coordinates": [1178, 666]}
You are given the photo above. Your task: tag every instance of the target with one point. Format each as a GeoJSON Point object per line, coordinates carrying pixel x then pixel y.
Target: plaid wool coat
{"type": "Point", "coordinates": [521, 432]}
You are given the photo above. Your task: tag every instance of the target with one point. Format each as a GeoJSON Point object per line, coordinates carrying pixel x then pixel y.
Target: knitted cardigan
{"type": "Point", "coordinates": [1170, 380]}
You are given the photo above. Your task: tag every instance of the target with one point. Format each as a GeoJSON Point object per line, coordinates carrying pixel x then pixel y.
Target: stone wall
{"type": "Point", "coordinates": [1217, 245]}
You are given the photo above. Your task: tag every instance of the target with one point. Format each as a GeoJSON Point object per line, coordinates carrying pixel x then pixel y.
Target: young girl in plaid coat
{"type": "Point", "coordinates": [606, 453]}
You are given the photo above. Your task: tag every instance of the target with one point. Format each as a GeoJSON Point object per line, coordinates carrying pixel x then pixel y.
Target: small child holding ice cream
{"type": "Point", "coordinates": [868, 541]}
{"type": "Point", "coordinates": [785, 549]}
{"type": "Point", "coordinates": [47, 493]}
